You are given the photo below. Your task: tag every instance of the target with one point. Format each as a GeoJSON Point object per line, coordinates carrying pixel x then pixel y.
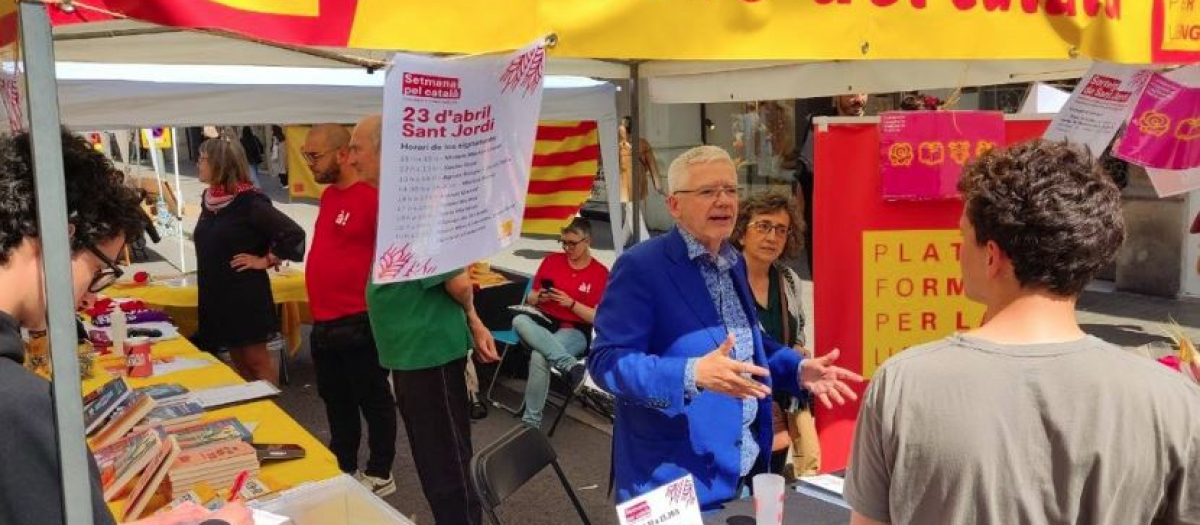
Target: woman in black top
{"type": "Point", "coordinates": [769, 230]}
{"type": "Point", "coordinates": [238, 237]}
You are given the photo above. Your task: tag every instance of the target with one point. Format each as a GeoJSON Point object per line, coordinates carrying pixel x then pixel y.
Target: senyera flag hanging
{"type": "Point", "coordinates": [1127, 31]}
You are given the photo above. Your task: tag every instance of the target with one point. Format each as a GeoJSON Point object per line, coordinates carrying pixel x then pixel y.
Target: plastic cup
{"type": "Point", "coordinates": [768, 499]}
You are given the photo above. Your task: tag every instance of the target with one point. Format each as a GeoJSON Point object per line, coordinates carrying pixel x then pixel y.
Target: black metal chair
{"type": "Point", "coordinates": [510, 462]}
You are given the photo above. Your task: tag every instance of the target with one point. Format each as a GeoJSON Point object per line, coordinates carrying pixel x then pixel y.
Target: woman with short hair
{"type": "Point", "coordinates": [239, 236]}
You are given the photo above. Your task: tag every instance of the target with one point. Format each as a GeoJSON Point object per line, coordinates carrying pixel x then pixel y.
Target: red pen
{"type": "Point", "coordinates": [238, 483]}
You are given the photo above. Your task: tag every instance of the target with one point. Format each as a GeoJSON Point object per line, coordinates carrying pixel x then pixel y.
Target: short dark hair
{"type": "Point", "coordinates": [770, 201]}
{"type": "Point", "coordinates": [98, 205]}
{"type": "Point", "coordinates": [581, 226]}
{"type": "Point", "coordinates": [1052, 209]}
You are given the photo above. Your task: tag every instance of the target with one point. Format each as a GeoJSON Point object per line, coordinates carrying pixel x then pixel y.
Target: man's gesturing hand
{"type": "Point", "coordinates": [825, 381]}
{"type": "Point", "coordinates": [718, 373]}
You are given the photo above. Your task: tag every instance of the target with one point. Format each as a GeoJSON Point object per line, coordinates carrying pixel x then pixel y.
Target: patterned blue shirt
{"type": "Point", "coordinates": [720, 287]}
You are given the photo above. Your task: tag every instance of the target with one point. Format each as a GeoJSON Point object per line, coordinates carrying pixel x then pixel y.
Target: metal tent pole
{"type": "Point", "coordinates": [178, 197]}
{"type": "Point", "coordinates": [635, 138]}
{"type": "Point", "coordinates": [51, 190]}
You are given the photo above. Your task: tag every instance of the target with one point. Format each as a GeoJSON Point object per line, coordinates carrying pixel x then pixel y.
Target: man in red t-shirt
{"type": "Point", "coordinates": [349, 377]}
{"type": "Point", "coordinates": [567, 288]}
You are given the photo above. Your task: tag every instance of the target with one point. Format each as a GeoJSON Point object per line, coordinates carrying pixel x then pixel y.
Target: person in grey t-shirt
{"type": "Point", "coordinates": [1027, 419]}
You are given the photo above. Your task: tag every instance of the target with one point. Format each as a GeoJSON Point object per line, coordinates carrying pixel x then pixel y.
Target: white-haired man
{"type": "Point", "coordinates": [677, 336]}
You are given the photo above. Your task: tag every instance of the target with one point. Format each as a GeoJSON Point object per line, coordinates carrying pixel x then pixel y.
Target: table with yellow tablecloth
{"type": "Point", "coordinates": [273, 424]}
{"type": "Point", "coordinates": [179, 297]}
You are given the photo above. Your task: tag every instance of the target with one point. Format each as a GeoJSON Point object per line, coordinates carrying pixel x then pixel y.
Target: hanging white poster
{"type": "Point", "coordinates": [1100, 104]}
{"type": "Point", "coordinates": [456, 150]}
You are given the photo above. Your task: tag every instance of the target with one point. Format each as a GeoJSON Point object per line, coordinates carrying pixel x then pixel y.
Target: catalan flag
{"type": "Point", "coordinates": [566, 157]}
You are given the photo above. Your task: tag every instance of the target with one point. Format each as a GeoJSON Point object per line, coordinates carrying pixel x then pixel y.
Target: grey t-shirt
{"type": "Point", "coordinates": [966, 431]}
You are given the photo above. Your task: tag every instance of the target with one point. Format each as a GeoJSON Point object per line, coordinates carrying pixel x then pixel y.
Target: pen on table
{"type": "Point", "coordinates": [238, 484]}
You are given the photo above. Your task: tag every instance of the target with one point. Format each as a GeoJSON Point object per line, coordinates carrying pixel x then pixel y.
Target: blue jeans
{"type": "Point", "coordinates": [559, 349]}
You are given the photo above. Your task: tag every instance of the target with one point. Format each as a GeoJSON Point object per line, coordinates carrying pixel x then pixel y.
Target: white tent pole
{"type": "Point", "coordinates": [51, 189]}
{"type": "Point", "coordinates": [178, 196]}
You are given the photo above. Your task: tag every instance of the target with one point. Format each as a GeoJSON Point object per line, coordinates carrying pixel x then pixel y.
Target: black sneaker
{"type": "Point", "coordinates": [576, 376]}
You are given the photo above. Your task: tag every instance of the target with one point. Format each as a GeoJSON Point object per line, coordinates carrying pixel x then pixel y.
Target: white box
{"type": "Point", "coordinates": [336, 501]}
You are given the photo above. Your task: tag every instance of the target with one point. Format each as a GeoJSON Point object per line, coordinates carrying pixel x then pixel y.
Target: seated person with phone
{"type": "Point", "coordinates": [565, 292]}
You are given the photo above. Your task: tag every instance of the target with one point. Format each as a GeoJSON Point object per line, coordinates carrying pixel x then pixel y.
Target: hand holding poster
{"type": "Point", "coordinates": [457, 145]}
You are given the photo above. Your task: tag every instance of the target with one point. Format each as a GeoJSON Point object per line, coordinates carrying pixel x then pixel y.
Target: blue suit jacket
{"type": "Point", "coordinates": [657, 314]}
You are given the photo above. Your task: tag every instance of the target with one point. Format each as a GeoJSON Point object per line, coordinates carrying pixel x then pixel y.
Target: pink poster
{"type": "Point", "coordinates": [1164, 127]}
{"type": "Point", "coordinates": [922, 153]}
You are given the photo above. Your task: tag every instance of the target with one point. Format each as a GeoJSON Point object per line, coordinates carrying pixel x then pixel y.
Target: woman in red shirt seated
{"type": "Point", "coordinates": [566, 288]}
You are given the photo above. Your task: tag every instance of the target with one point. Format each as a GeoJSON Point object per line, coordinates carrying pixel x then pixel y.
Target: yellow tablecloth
{"type": "Point", "coordinates": [274, 425]}
{"type": "Point", "coordinates": [179, 297]}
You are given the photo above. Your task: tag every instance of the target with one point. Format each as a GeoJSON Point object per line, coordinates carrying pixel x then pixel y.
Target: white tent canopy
{"type": "Point", "coordinates": [109, 96]}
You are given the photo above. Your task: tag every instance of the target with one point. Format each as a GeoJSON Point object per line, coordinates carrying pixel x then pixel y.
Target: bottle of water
{"type": "Point", "coordinates": [118, 330]}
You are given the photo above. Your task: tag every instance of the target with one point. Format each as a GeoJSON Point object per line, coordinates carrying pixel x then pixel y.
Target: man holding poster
{"type": "Point", "coordinates": [1027, 419]}
{"type": "Point", "coordinates": [425, 330]}
{"type": "Point", "coordinates": [677, 336]}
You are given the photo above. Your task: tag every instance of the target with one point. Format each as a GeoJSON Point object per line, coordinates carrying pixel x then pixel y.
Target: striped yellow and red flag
{"type": "Point", "coordinates": [566, 158]}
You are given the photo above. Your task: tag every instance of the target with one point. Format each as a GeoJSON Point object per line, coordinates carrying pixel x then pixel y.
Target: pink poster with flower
{"type": "Point", "coordinates": [1164, 127]}
{"type": "Point", "coordinates": [922, 153]}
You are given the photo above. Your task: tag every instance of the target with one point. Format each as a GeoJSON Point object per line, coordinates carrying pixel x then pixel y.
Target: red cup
{"type": "Point", "coordinates": [137, 357]}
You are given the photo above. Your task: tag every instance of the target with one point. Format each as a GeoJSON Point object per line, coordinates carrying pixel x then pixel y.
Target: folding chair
{"type": "Point", "coordinates": [504, 466]}
{"type": "Point", "coordinates": [510, 339]}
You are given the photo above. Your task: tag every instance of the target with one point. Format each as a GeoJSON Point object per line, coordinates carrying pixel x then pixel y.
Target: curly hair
{"type": "Point", "coordinates": [1052, 209]}
{"type": "Point", "coordinates": [771, 201]}
{"type": "Point", "coordinates": [99, 207]}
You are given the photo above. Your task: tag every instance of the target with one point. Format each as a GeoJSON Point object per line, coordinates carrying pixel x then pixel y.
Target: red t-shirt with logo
{"type": "Point", "coordinates": [585, 285]}
{"type": "Point", "coordinates": [339, 263]}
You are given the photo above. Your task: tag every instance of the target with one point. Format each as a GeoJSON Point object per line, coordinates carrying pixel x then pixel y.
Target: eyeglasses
{"type": "Point", "coordinates": [765, 227]}
{"type": "Point", "coordinates": [570, 245]}
{"type": "Point", "coordinates": [104, 277]}
{"type": "Point", "coordinates": [711, 194]}
{"type": "Point", "coordinates": [312, 158]}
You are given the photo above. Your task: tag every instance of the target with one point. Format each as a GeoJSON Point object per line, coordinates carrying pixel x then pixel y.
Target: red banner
{"type": "Point", "coordinates": [906, 249]}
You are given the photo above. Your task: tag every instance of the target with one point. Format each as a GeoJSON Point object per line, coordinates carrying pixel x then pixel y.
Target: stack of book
{"type": "Point", "coordinates": [174, 416]}
{"type": "Point", "coordinates": [216, 465]}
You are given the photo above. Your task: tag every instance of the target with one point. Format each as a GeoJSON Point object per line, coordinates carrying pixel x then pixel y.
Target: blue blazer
{"type": "Point", "coordinates": [657, 314]}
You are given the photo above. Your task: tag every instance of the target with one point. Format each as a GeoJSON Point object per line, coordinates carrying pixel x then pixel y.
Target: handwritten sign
{"type": "Point", "coordinates": [912, 292]}
{"type": "Point", "coordinates": [457, 148]}
{"type": "Point", "coordinates": [672, 504]}
{"type": "Point", "coordinates": [1164, 128]}
{"type": "Point", "coordinates": [922, 153]}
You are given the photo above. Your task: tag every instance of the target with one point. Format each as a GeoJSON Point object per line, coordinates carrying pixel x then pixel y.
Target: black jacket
{"type": "Point", "coordinates": [30, 487]}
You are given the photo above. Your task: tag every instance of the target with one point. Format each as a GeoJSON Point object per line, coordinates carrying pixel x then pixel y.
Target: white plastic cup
{"type": "Point", "coordinates": [768, 499]}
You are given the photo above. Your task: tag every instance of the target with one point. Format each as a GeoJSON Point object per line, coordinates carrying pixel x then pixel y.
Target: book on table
{"type": "Point", "coordinates": [102, 402]}
{"type": "Point", "coordinates": [120, 462]}
{"type": "Point", "coordinates": [123, 419]}
{"type": "Point", "coordinates": [173, 416]}
{"type": "Point", "coordinates": [167, 393]}
{"type": "Point", "coordinates": [151, 479]}
{"type": "Point", "coordinates": [209, 432]}
{"type": "Point", "coordinates": [216, 465]}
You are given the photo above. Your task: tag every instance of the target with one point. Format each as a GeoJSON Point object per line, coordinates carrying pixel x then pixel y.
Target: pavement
{"type": "Point", "coordinates": [583, 440]}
